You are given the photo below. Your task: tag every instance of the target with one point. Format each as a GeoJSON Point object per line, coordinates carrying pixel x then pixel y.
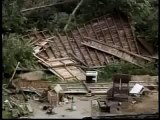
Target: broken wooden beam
{"type": "Point", "coordinates": [9, 104]}
{"type": "Point", "coordinates": [63, 65]}
{"type": "Point", "coordinates": [58, 59]}
{"type": "Point", "coordinates": [78, 59]}
{"type": "Point", "coordinates": [72, 14]}
{"type": "Point", "coordinates": [137, 55]}
{"type": "Point", "coordinates": [25, 69]}
{"type": "Point", "coordinates": [146, 46]}
{"type": "Point", "coordinates": [87, 88]}
{"type": "Point", "coordinates": [29, 108]}
{"type": "Point", "coordinates": [124, 55]}
{"type": "Point", "coordinates": [44, 6]}
{"type": "Point", "coordinates": [13, 74]}
{"type": "Point", "coordinates": [34, 90]}
{"type": "Point", "coordinates": [90, 67]}
{"type": "Point", "coordinates": [109, 52]}
{"type": "Point", "coordinates": [6, 90]}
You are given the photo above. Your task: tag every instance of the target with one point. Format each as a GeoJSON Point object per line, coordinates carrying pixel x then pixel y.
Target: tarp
{"type": "Point", "coordinates": [136, 89]}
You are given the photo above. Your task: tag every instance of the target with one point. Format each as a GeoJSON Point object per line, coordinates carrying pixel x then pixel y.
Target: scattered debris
{"type": "Point", "coordinates": [53, 98]}
{"type": "Point", "coordinates": [133, 102]}
{"type": "Point", "coordinates": [6, 90]}
{"type": "Point", "coordinates": [66, 100]}
{"type": "Point", "coordinates": [120, 86]}
{"type": "Point", "coordinates": [34, 90]}
{"type": "Point", "coordinates": [77, 46]}
{"type": "Point", "coordinates": [10, 81]}
{"type": "Point", "coordinates": [26, 84]}
{"type": "Point", "coordinates": [29, 108]}
{"type": "Point", "coordinates": [137, 89]}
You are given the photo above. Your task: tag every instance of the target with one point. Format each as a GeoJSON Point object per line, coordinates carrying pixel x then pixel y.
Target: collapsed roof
{"type": "Point", "coordinates": [102, 41]}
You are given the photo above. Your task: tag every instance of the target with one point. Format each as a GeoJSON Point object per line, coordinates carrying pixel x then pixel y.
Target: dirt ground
{"type": "Point", "coordinates": [83, 110]}
{"type": "Point", "coordinates": [148, 104]}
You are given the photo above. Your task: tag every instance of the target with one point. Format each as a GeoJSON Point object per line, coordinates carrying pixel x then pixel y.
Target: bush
{"type": "Point", "coordinates": [126, 68]}
{"type": "Point", "coordinates": [12, 20]}
{"type": "Point", "coordinates": [16, 50]}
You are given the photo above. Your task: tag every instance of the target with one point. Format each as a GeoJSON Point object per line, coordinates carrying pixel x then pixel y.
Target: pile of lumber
{"type": "Point", "coordinates": [106, 40]}
{"type": "Point", "coordinates": [17, 107]}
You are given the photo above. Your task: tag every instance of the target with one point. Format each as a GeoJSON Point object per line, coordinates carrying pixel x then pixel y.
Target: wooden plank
{"type": "Point", "coordinates": [79, 48]}
{"type": "Point", "coordinates": [69, 70]}
{"type": "Point", "coordinates": [56, 73]}
{"type": "Point", "coordinates": [42, 57]}
{"type": "Point", "coordinates": [146, 46]}
{"type": "Point", "coordinates": [49, 53]}
{"type": "Point", "coordinates": [29, 108]}
{"type": "Point", "coordinates": [13, 74]}
{"type": "Point", "coordinates": [70, 43]}
{"type": "Point", "coordinates": [75, 92]}
{"type": "Point", "coordinates": [99, 87]}
{"type": "Point", "coordinates": [97, 39]}
{"type": "Point", "coordinates": [95, 52]}
{"type": "Point", "coordinates": [78, 59]}
{"type": "Point", "coordinates": [87, 88]}
{"type": "Point", "coordinates": [64, 47]}
{"type": "Point", "coordinates": [109, 30]}
{"type": "Point", "coordinates": [58, 59]}
{"type": "Point", "coordinates": [129, 44]}
{"type": "Point", "coordinates": [105, 40]}
{"type": "Point", "coordinates": [53, 52]}
{"type": "Point", "coordinates": [57, 48]}
{"type": "Point", "coordinates": [43, 48]}
{"type": "Point", "coordinates": [85, 47]}
{"type": "Point", "coordinates": [63, 72]}
{"type": "Point", "coordinates": [62, 65]}
{"type": "Point", "coordinates": [117, 32]}
{"type": "Point", "coordinates": [6, 90]}
{"type": "Point", "coordinates": [49, 67]}
{"type": "Point", "coordinates": [108, 52]}
{"type": "Point", "coordinates": [33, 89]}
{"type": "Point", "coordinates": [136, 55]}
{"type": "Point", "coordinates": [134, 37]}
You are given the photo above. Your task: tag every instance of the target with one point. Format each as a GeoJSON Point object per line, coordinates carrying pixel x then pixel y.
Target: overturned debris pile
{"type": "Point", "coordinates": [105, 40]}
{"type": "Point", "coordinates": [17, 106]}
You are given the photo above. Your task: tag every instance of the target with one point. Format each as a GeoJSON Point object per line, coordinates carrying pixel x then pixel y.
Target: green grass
{"type": "Point", "coordinates": [105, 74]}
{"type": "Point", "coordinates": [51, 77]}
{"type": "Point", "coordinates": [6, 114]}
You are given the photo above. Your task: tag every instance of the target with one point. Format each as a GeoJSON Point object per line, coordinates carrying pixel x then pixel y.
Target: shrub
{"type": "Point", "coordinates": [16, 50]}
{"type": "Point", "coordinates": [126, 68]}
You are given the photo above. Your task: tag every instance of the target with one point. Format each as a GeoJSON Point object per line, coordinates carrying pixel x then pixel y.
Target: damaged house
{"type": "Point", "coordinates": [105, 40]}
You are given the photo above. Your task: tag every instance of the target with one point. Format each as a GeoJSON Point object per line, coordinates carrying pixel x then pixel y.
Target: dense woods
{"type": "Point", "coordinates": [54, 15]}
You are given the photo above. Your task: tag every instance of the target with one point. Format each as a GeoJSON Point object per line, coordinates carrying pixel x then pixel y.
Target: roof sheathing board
{"type": "Point", "coordinates": [111, 30]}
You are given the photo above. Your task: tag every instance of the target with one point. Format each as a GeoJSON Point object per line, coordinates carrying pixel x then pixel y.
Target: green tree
{"type": "Point", "coordinates": [16, 50]}
{"type": "Point", "coordinates": [12, 19]}
{"type": "Point", "coordinates": [144, 14]}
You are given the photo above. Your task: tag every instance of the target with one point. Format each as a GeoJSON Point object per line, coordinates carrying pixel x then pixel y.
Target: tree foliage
{"type": "Point", "coordinates": [12, 19]}
{"type": "Point", "coordinates": [144, 14]}
{"type": "Point", "coordinates": [127, 68]}
{"type": "Point", "coordinates": [16, 50]}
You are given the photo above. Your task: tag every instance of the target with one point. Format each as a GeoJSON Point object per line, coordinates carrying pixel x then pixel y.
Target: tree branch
{"type": "Point", "coordinates": [34, 8]}
{"type": "Point", "coordinates": [72, 14]}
